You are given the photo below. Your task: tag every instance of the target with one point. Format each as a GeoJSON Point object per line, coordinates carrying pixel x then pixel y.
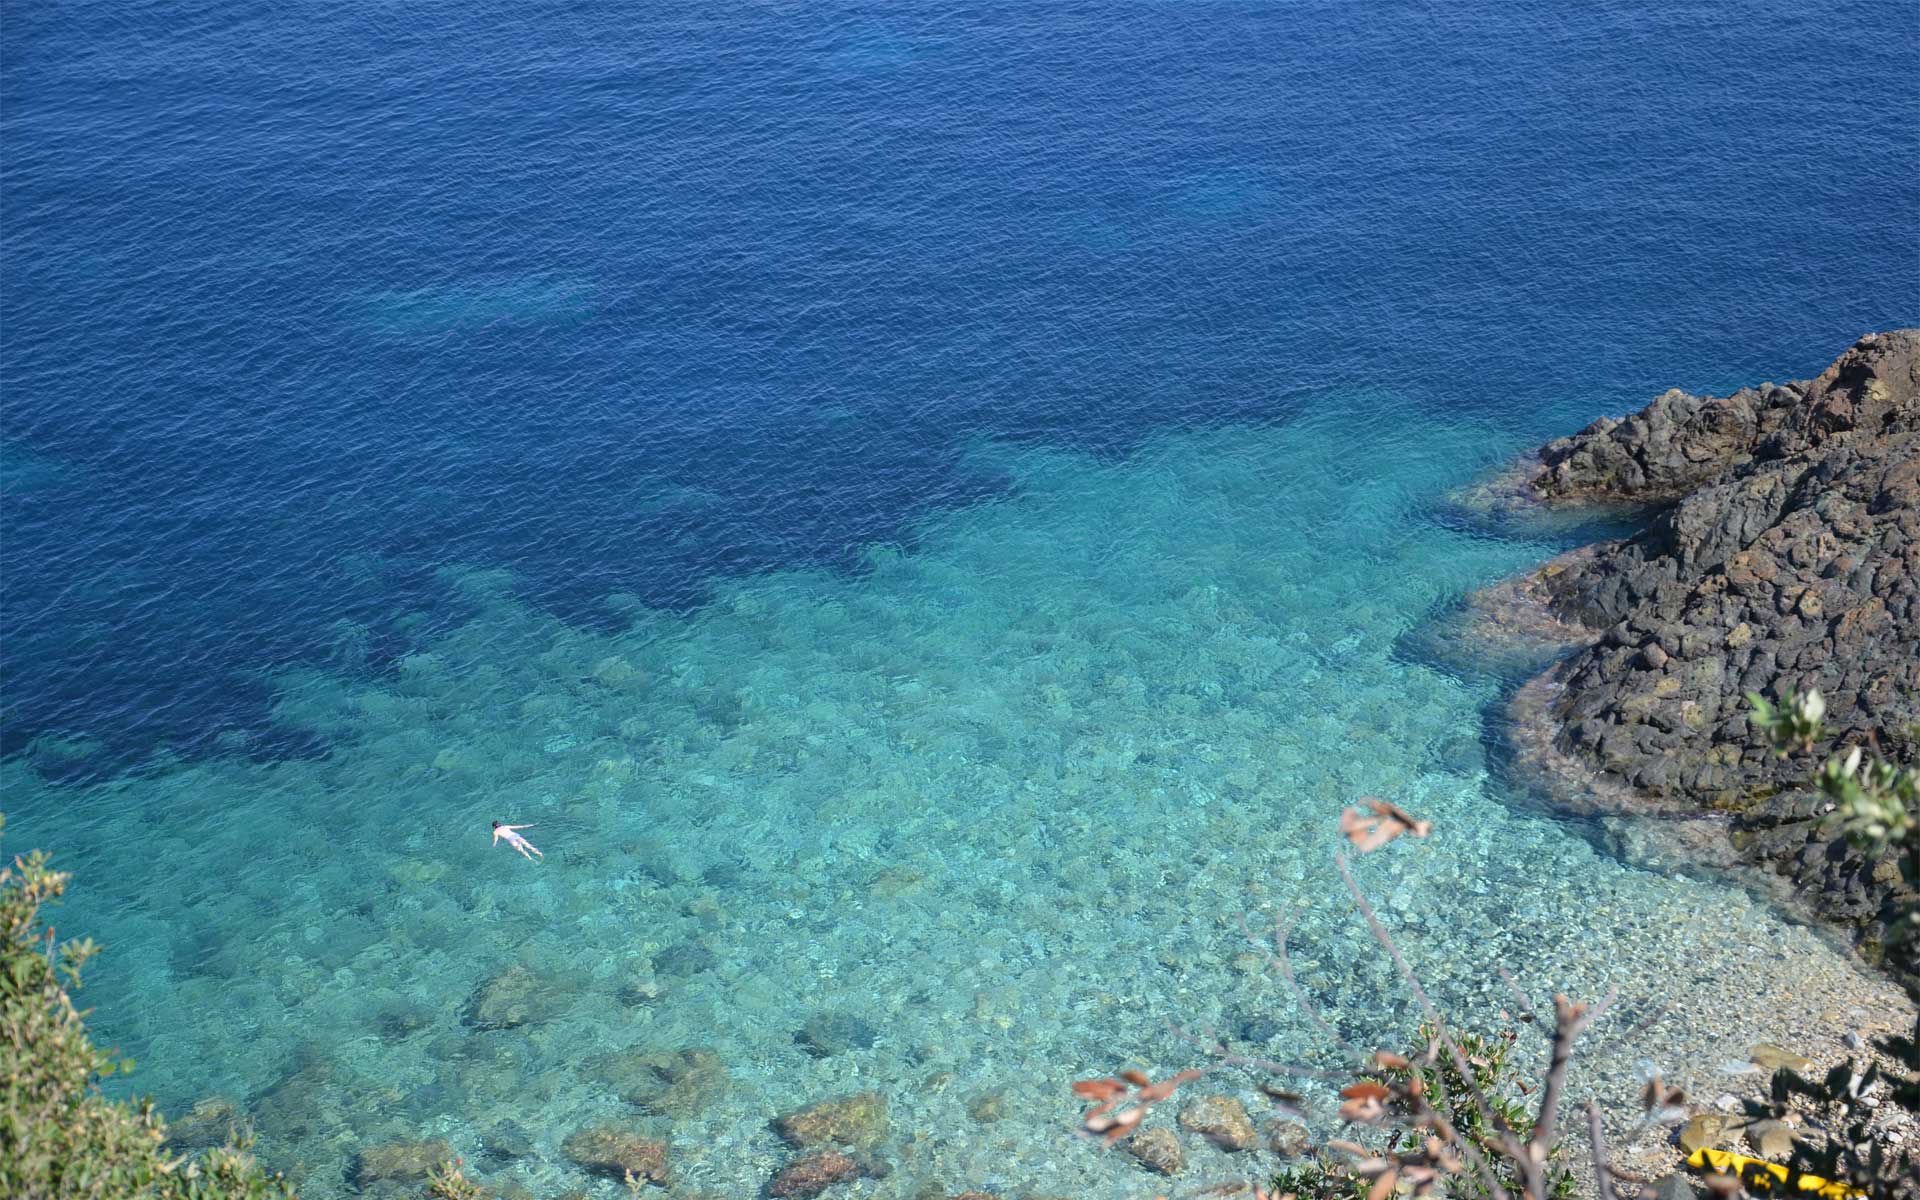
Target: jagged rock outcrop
{"type": "Point", "coordinates": [1785, 553]}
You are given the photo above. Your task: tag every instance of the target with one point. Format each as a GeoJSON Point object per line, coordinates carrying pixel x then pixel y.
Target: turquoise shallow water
{"type": "Point", "coordinates": [1003, 799]}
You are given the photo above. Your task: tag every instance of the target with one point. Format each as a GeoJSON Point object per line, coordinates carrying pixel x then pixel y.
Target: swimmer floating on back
{"type": "Point", "coordinates": [527, 849]}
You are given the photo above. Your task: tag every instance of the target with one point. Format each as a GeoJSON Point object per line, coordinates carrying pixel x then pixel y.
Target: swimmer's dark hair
{"type": "Point", "coordinates": [496, 824]}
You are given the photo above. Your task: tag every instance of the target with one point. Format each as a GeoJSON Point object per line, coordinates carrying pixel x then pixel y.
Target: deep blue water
{"type": "Point", "coordinates": [304, 301]}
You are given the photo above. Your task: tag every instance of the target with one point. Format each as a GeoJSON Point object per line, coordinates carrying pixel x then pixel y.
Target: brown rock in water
{"type": "Point", "coordinates": [207, 1123]}
{"type": "Point", "coordinates": [400, 1160]}
{"type": "Point", "coordinates": [514, 997]}
{"type": "Point", "coordinates": [1158, 1150]}
{"type": "Point", "coordinates": [814, 1173]}
{"type": "Point", "coordinates": [1222, 1120]}
{"type": "Point", "coordinates": [976, 1196]}
{"type": "Point", "coordinates": [678, 1083]}
{"type": "Point", "coordinates": [1288, 1139]}
{"type": "Point", "coordinates": [858, 1121]}
{"type": "Point", "coordinates": [302, 1100]}
{"type": "Point", "coordinates": [1783, 550]}
{"type": "Point", "coordinates": [612, 1151]}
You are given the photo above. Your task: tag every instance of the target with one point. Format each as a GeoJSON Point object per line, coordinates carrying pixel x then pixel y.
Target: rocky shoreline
{"type": "Point", "coordinates": [1779, 547]}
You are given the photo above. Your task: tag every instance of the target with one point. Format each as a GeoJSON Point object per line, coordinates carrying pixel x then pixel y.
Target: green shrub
{"type": "Point", "coordinates": [1489, 1058]}
{"type": "Point", "coordinates": [1434, 1077]}
{"type": "Point", "coordinates": [59, 1136]}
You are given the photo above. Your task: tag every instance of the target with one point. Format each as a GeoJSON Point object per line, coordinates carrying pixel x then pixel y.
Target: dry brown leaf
{"type": "Point", "coordinates": [1099, 1089]}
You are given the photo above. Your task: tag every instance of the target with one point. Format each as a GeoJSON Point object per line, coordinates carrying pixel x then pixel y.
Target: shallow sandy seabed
{"type": "Point", "coordinates": [1003, 798]}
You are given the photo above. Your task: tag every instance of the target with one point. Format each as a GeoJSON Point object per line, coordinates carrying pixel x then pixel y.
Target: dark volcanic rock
{"type": "Point", "coordinates": [1787, 555]}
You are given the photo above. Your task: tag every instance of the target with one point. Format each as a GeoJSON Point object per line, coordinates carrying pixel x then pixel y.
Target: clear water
{"type": "Point", "coordinates": [1004, 797]}
{"type": "Point", "coordinates": [930, 513]}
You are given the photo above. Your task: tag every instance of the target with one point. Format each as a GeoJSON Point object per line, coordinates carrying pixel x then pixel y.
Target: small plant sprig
{"type": "Point", "coordinates": [1796, 723]}
{"type": "Point", "coordinates": [449, 1182]}
{"type": "Point", "coordinates": [1874, 802]}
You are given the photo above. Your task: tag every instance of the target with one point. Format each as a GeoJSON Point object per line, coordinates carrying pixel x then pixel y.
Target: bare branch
{"type": "Point", "coordinates": [1569, 1021]}
{"type": "Point", "coordinates": [1281, 961]}
{"type": "Point", "coordinates": [1602, 1173]}
{"type": "Point", "coordinates": [1217, 1049]}
{"type": "Point", "coordinates": [1511, 1145]}
{"type": "Point", "coordinates": [1519, 996]}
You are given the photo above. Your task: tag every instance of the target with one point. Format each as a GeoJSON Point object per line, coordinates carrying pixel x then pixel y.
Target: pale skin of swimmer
{"type": "Point", "coordinates": [511, 833]}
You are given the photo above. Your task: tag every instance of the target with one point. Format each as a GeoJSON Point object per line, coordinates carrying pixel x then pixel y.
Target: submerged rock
{"type": "Point", "coordinates": [827, 1034]}
{"type": "Point", "coordinates": [207, 1123]}
{"type": "Point", "coordinates": [1786, 554]}
{"type": "Point", "coordinates": [1158, 1150]}
{"type": "Point", "coordinates": [514, 997]}
{"type": "Point", "coordinates": [1770, 1139]}
{"type": "Point", "coordinates": [400, 1160]}
{"type": "Point", "coordinates": [814, 1173]}
{"type": "Point", "coordinates": [612, 1151]}
{"type": "Point", "coordinates": [1222, 1120]}
{"type": "Point", "coordinates": [858, 1121]}
{"type": "Point", "coordinates": [677, 1083]}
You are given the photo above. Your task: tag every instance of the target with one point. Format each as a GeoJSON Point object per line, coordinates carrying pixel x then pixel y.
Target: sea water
{"type": "Point", "coordinates": [929, 513]}
{"type": "Point", "coordinates": [1006, 805]}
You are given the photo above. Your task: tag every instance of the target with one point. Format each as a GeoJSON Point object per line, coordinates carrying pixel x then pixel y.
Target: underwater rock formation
{"type": "Point", "coordinates": [615, 1152]}
{"type": "Point", "coordinates": [400, 1160]}
{"type": "Point", "coordinates": [1782, 550]}
{"type": "Point", "coordinates": [857, 1122]}
{"type": "Point", "coordinates": [814, 1173]}
{"type": "Point", "coordinates": [678, 1084]}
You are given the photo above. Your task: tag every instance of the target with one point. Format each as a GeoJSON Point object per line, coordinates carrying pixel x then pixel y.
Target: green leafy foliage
{"type": "Point", "coordinates": [59, 1136]}
{"type": "Point", "coordinates": [1479, 1111]}
{"type": "Point", "coordinates": [1489, 1058]}
{"type": "Point", "coordinates": [1795, 723]}
{"type": "Point", "coordinates": [1317, 1179]}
